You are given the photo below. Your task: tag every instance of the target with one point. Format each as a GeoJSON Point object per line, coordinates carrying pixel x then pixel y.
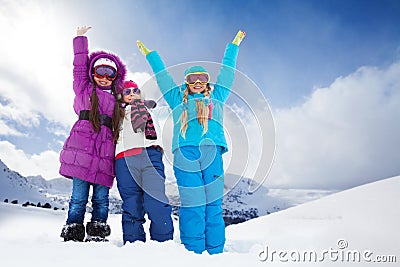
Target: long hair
{"type": "Point", "coordinates": [202, 111]}
{"type": "Point", "coordinates": [118, 116]}
{"type": "Point", "coordinates": [118, 113]}
{"type": "Point", "coordinates": [94, 110]}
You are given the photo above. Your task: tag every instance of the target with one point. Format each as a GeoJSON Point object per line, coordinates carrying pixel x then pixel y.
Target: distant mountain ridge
{"type": "Point", "coordinates": [57, 185]}
{"type": "Point", "coordinates": [14, 186]}
{"type": "Point", "coordinates": [239, 204]}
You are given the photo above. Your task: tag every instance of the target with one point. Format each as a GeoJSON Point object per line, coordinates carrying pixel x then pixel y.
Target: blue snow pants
{"type": "Point", "coordinates": [141, 184]}
{"type": "Point", "coordinates": [199, 174]}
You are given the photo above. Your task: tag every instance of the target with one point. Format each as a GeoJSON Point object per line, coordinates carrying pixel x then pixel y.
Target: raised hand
{"type": "Point", "coordinates": [144, 50]}
{"type": "Point", "coordinates": [239, 37]}
{"type": "Point", "coordinates": [82, 30]}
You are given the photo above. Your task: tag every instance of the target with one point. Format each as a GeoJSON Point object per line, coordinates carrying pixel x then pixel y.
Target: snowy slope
{"type": "Point", "coordinates": [366, 218]}
{"type": "Point", "coordinates": [14, 186]}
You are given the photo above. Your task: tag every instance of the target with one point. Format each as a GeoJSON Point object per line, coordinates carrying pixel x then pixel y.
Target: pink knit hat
{"type": "Point", "coordinates": [130, 84]}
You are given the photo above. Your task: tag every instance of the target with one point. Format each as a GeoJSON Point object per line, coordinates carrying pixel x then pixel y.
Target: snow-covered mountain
{"type": "Point", "coordinates": [53, 186]}
{"type": "Point", "coordinates": [36, 190]}
{"type": "Point", "coordinates": [356, 227]}
{"type": "Point", "coordinates": [238, 203]}
{"type": "Point", "coordinates": [15, 187]}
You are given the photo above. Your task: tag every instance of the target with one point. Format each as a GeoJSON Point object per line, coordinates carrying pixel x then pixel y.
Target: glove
{"type": "Point", "coordinates": [238, 38]}
{"type": "Point", "coordinates": [144, 50]}
{"type": "Point", "coordinates": [150, 103]}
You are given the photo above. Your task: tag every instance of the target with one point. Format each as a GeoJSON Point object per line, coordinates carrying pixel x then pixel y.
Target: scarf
{"type": "Point", "coordinates": [141, 119]}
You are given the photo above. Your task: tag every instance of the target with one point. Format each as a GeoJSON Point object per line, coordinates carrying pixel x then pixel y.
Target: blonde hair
{"type": "Point", "coordinates": [202, 112]}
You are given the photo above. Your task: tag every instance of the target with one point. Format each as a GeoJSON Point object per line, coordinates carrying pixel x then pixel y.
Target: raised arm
{"type": "Point", "coordinates": [226, 75]}
{"type": "Point", "coordinates": [81, 52]}
{"type": "Point", "coordinates": [168, 87]}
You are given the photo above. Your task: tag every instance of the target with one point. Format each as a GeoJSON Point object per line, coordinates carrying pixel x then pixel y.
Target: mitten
{"type": "Point", "coordinates": [144, 50]}
{"type": "Point", "coordinates": [238, 38]}
{"type": "Point", "coordinates": [150, 103]}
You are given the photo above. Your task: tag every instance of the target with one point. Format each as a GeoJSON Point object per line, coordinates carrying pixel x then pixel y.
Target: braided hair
{"type": "Point", "coordinates": [202, 111]}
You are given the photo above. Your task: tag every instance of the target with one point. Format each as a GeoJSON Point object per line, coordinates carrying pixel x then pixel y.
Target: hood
{"type": "Point", "coordinates": [121, 68]}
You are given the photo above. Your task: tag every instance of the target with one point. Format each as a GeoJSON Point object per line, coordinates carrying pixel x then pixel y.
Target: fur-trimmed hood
{"type": "Point", "coordinates": [121, 68]}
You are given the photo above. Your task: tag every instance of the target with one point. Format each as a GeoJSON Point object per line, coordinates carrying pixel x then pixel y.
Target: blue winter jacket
{"type": "Point", "coordinates": [173, 95]}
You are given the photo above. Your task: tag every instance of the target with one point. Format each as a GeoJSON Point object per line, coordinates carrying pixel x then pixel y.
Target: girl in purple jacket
{"type": "Point", "coordinates": [88, 153]}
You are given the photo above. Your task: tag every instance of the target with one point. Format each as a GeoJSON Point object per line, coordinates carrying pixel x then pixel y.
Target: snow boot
{"type": "Point", "coordinates": [97, 231]}
{"type": "Point", "coordinates": [74, 232]}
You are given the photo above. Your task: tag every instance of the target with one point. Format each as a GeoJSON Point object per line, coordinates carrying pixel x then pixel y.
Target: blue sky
{"type": "Point", "coordinates": [291, 46]}
{"type": "Point", "coordinates": [294, 51]}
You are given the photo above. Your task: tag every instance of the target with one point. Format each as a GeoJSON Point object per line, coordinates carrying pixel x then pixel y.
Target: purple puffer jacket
{"type": "Point", "coordinates": [88, 155]}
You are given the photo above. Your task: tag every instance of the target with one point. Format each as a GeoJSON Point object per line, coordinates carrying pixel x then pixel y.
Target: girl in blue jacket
{"type": "Point", "coordinates": [198, 144]}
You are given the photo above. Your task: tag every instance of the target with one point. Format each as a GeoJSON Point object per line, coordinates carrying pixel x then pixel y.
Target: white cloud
{"type": "Point", "coordinates": [36, 63]}
{"type": "Point", "coordinates": [250, 131]}
{"type": "Point", "coordinates": [57, 131]}
{"type": "Point", "coordinates": [45, 164]}
{"type": "Point", "coordinates": [343, 135]}
{"type": "Point", "coordinates": [146, 83]}
{"type": "Point", "coordinates": [6, 130]}
{"type": "Point", "coordinates": [140, 78]}
{"type": "Point", "coordinates": [24, 117]}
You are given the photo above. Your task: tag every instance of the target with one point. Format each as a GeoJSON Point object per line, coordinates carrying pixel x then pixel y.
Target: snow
{"type": "Point", "coordinates": [14, 186]}
{"type": "Point", "coordinates": [366, 218]}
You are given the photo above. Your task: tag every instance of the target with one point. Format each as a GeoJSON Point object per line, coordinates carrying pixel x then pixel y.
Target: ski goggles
{"type": "Point", "coordinates": [105, 71]}
{"type": "Point", "coordinates": [201, 77]}
{"type": "Point", "coordinates": [128, 91]}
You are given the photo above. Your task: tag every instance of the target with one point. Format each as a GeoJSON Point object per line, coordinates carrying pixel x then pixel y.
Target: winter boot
{"type": "Point", "coordinates": [97, 231]}
{"type": "Point", "coordinates": [73, 231]}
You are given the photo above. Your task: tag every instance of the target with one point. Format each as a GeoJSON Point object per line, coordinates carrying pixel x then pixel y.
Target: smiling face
{"type": "Point", "coordinates": [197, 87]}
{"type": "Point", "coordinates": [102, 81]}
{"type": "Point", "coordinates": [197, 81]}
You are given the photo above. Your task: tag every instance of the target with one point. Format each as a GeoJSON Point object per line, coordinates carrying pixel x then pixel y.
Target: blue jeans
{"type": "Point", "coordinates": [200, 176]}
{"type": "Point", "coordinates": [79, 199]}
